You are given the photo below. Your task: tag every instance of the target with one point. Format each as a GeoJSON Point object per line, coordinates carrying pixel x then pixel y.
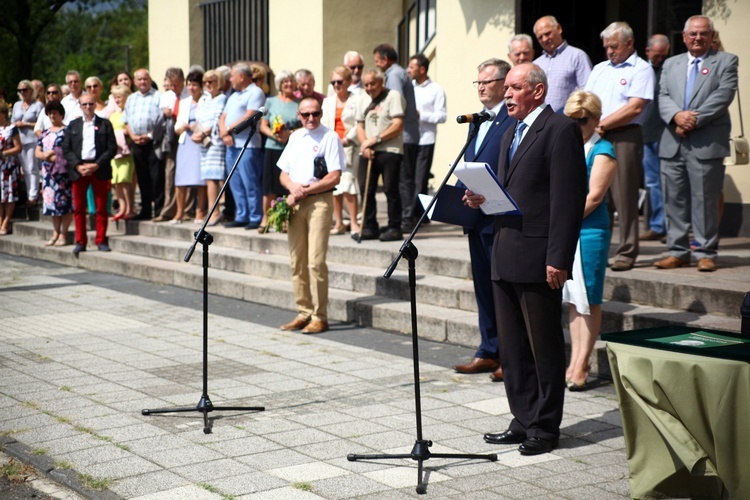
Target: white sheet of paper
{"type": "Point", "coordinates": [425, 200]}
{"type": "Point", "coordinates": [479, 178]}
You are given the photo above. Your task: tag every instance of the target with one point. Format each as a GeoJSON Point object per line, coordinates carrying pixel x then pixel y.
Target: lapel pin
{"type": "Point", "coordinates": [704, 71]}
{"type": "Point", "coordinates": [623, 81]}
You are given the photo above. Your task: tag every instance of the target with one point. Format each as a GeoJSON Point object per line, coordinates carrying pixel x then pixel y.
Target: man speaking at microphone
{"type": "Point", "coordinates": [246, 183]}
{"type": "Point", "coordinates": [542, 167]}
{"type": "Point", "coordinates": [485, 148]}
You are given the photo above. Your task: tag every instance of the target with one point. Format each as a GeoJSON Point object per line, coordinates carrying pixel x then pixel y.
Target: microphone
{"type": "Point", "coordinates": [253, 120]}
{"type": "Point", "coordinates": [482, 116]}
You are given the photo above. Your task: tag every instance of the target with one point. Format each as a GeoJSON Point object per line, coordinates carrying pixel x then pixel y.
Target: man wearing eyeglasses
{"type": "Point", "coordinates": [311, 166]}
{"type": "Point", "coordinates": [356, 63]}
{"type": "Point", "coordinates": [625, 84]}
{"type": "Point", "coordinates": [70, 101]}
{"type": "Point", "coordinates": [695, 93]}
{"type": "Point", "coordinates": [89, 145]}
{"type": "Point", "coordinates": [485, 148]}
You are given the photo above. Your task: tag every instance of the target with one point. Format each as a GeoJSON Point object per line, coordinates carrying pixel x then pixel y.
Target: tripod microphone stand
{"type": "Point", "coordinates": [205, 405]}
{"type": "Point", "coordinates": [420, 452]}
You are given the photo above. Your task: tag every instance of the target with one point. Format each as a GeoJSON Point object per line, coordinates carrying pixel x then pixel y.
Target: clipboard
{"type": "Point", "coordinates": [480, 178]}
{"type": "Point", "coordinates": [449, 208]}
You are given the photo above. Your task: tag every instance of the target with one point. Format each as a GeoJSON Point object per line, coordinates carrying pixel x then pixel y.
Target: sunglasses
{"type": "Point", "coordinates": [22, 90]}
{"type": "Point", "coordinates": [312, 113]}
{"type": "Point", "coordinates": [206, 82]}
{"type": "Point", "coordinates": [88, 104]}
{"type": "Point", "coordinates": [52, 92]}
{"type": "Point", "coordinates": [582, 120]}
{"type": "Point", "coordinates": [356, 66]}
{"type": "Point", "coordinates": [337, 82]}
{"type": "Point", "coordinates": [92, 86]}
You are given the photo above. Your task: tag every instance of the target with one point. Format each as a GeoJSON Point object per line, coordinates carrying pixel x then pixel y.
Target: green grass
{"type": "Point", "coordinates": [63, 465]}
{"type": "Point", "coordinates": [93, 483]}
{"type": "Point", "coordinates": [303, 486]}
{"type": "Point", "coordinates": [16, 472]}
{"type": "Point", "coordinates": [66, 388]}
{"type": "Point", "coordinates": [39, 451]}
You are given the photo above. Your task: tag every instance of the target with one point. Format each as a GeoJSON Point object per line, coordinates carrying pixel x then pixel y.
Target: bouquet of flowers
{"type": "Point", "coordinates": [279, 214]}
{"type": "Point", "coordinates": [277, 125]}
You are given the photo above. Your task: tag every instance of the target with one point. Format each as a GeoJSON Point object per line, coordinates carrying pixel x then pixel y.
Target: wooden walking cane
{"type": "Point", "coordinates": [364, 201]}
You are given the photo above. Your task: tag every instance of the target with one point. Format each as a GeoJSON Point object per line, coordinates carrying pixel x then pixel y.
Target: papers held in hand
{"type": "Point", "coordinates": [480, 179]}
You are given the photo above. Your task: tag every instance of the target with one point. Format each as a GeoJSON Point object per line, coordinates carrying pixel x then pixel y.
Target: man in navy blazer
{"type": "Point", "coordinates": [542, 167]}
{"type": "Point", "coordinates": [695, 92]}
{"type": "Point", "coordinates": [89, 145]}
{"type": "Point", "coordinates": [485, 147]}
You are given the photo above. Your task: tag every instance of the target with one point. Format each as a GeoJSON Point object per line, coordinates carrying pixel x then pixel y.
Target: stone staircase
{"type": "Point", "coordinates": [254, 267]}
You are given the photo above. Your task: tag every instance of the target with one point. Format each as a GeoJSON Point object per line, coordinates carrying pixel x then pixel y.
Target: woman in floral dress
{"type": "Point", "coordinates": [10, 147]}
{"type": "Point", "coordinates": [57, 188]}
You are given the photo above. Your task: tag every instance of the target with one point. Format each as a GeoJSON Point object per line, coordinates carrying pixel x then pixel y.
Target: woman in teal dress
{"type": "Point", "coordinates": [585, 308]}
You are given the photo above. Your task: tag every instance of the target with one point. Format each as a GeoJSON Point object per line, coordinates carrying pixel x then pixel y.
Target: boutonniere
{"type": "Point", "coordinates": [96, 129]}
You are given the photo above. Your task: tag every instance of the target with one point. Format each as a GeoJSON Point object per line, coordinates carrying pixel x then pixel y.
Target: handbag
{"type": "Point", "coordinates": [739, 148]}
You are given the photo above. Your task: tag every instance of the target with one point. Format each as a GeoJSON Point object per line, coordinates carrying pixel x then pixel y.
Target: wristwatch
{"type": "Point", "coordinates": [378, 139]}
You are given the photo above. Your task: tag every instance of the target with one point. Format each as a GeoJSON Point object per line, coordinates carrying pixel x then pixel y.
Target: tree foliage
{"type": "Point", "coordinates": [45, 38]}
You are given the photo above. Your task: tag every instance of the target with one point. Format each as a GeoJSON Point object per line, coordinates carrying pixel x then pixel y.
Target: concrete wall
{"type": "Point", "coordinates": [174, 36]}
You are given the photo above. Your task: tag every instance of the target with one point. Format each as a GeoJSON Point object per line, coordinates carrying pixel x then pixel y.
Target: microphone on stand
{"type": "Point", "coordinates": [482, 116]}
{"type": "Point", "coordinates": [253, 120]}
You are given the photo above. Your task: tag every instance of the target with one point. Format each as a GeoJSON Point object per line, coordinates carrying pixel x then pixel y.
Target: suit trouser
{"type": "Point", "coordinates": [480, 250]}
{"type": "Point", "coordinates": [308, 233]}
{"type": "Point", "coordinates": [407, 185]}
{"type": "Point", "coordinates": [652, 180]}
{"type": "Point", "coordinates": [101, 191]}
{"type": "Point", "coordinates": [692, 189]}
{"type": "Point", "coordinates": [628, 143]}
{"type": "Point", "coordinates": [422, 175]}
{"type": "Point", "coordinates": [389, 165]}
{"type": "Point", "coordinates": [532, 353]}
{"type": "Point", "coordinates": [150, 171]}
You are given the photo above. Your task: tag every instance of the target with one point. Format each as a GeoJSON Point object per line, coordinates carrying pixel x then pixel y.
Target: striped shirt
{"type": "Point", "coordinates": [142, 111]}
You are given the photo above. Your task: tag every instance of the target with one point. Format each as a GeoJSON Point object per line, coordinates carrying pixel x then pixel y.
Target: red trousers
{"type": "Point", "coordinates": [101, 191]}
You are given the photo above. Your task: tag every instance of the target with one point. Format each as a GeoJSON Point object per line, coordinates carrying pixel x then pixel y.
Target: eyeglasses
{"type": "Point", "coordinates": [695, 34]}
{"type": "Point", "coordinates": [337, 82]}
{"type": "Point", "coordinates": [52, 92]}
{"type": "Point", "coordinates": [314, 114]}
{"type": "Point", "coordinates": [22, 90]}
{"type": "Point", "coordinates": [480, 83]}
{"type": "Point", "coordinates": [93, 86]}
{"type": "Point", "coordinates": [84, 104]}
{"type": "Point", "coordinates": [582, 120]}
{"type": "Point", "coordinates": [356, 66]}
{"type": "Point", "coordinates": [71, 82]}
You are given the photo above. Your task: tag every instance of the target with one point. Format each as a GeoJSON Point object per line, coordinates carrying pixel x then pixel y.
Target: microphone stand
{"type": "Point", "coordinates": [421, 451]}
{"type": "Point", "coordinates": [205, 405]}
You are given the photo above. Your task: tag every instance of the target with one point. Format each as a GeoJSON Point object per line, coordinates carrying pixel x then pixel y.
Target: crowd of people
{"type": "Point", "coordinates": [665, 119]}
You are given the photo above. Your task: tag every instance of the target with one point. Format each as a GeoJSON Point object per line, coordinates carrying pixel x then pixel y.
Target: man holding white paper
{"type": "Point", "coordinates": [485, 147]}
{"type": "Point", "coordinates": [542, 167]}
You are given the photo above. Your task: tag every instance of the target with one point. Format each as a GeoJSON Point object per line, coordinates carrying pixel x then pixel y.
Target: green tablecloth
{"type": "Point", "coordinates": [686, 420]}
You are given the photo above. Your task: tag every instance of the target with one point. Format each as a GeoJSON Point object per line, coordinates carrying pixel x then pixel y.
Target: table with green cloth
{"type": "Point", "coordinates": [684, 397]}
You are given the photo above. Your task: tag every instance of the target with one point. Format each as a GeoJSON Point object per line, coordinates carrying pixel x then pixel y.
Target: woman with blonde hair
{"type": "Point", "coordinates": [25, 114]}
{"type": "Point", "coordinates": [585, 291]}
{"type": "Point", "coordinates": [94, 86]}
{"type": "Point", "coordinates": [10, 148]}
{"type": "Point", "coordinates": [213, 150]}
{"type": "Point", "coordinates": [122, 164]}
{"type": "Point", "coordinates": [338, 115]}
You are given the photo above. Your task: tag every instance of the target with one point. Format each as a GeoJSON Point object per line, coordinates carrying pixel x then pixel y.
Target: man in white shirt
{"type": "Point", "coordinates": [311, 196]}
{"type": "Point", "coordinates": [430, 100]}
{"type": "Point", "coordinates": [71, 101]}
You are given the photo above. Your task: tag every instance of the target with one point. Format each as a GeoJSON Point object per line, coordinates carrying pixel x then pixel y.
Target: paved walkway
{"type": "Point", "coordinates": [82, 353]}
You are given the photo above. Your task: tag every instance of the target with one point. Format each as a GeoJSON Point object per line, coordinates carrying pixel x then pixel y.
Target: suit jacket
{"type": "Point", "coordinates": [713, 92]}
{"type": "Point", "coordinates": [104, 142]}
{"type": "Point", "coordinates": [547, 178]}
{"type": "Point", "coordinates": [488, 153]}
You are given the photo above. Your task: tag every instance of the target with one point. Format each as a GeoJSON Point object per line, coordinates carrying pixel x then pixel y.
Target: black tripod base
{"type": "Point", "coordinates": [204, 406]}
{"type": "Point", "coordinates": [420, 453]}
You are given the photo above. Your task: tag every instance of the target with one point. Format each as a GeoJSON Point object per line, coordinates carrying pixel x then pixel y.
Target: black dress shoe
{"type": "Point", "coordinates": [507, 437]}
{"type": "Point", "coordinates": [80, 247]}
{"type": "Point", "coordinates": [104, 248]}
{"type": "Point", "coordinates": [235, 224]}
{"type": "Point", "coordinates": [537, 446]}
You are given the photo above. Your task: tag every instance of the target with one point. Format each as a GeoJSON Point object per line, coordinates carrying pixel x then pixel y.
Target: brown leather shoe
{"type": "Point", "coordinates": [296, 324]}
{"type": "Point", "coordinates": [316, 326]}
{"type": "Point", "coordinates": [478, 365]}
{"type": "Point", "coordinates": [621, 265]}
{"type": "Point", "coordinates": [706, 265]}
{"type": "Point", "coordinates": [671, 262]}
{"type": "Point", "coordinates": [497, 375]}
{"type": "Point", "coordinates": [651, 235]}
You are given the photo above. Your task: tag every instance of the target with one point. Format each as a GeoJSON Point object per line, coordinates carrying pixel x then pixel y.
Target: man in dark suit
{"type": "Point", "coordinates": [695, 92]}
{"type": "Point", "coordinates": [543, 169]}
{"type": "Point", "coordinates": [89, 146]}
{"type": "Point", "coordinates": [485, 147]}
